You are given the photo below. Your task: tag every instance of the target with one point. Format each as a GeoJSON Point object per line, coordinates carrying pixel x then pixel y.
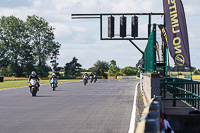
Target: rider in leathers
{"type": "Point", "coordinates": [34, 76]}
{"type": "Point", "coordinates": [85, 74]}
{"type": "Point", "coordinates": [54, 76]}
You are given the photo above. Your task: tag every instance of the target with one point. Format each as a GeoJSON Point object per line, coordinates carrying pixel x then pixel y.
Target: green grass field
{"type": "Point", "coordinates": [21, 83]}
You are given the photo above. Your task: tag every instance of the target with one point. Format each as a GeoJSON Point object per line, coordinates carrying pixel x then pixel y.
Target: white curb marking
{"type": "Point", "coordinates": [132, 122]}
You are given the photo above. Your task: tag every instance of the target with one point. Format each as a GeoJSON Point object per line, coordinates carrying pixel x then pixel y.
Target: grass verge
{"type": "Point", "coordinates": [21, 83]}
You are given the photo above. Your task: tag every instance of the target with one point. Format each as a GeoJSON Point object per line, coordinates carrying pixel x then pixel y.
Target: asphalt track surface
{"type": "Point", "coordinates": [102, 107]}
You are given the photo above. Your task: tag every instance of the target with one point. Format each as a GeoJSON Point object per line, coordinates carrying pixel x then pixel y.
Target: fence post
{"type": "Point", "coordinates": [174, 95]}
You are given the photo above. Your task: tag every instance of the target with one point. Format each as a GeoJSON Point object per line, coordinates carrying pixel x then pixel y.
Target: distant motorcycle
{"type": "Point", "coordinates": [33, 87]}
{"type": "Point", "coordinates": [91, 79]}
{"type": "Point", "coordinates": [95, 78]}
{"type": "Point", "coordinates": [53, 84]}
{"type": "Point", "coordinates": [85, 80]}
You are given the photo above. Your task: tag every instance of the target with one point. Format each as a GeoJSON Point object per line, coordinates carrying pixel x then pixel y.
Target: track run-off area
{"type": "Point", "coordinates": [102, 107]}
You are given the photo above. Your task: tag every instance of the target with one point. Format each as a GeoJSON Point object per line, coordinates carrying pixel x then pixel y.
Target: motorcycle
{"type": "Point", "coordinates": [33, 87]}
{"type": "Point", "coordinates": [85, 80]}
{"type": "Point", "coordinates": [53, 84]}
{"type": "Point", "coordinates": [95, 78]}
{"type": "Point", "coordinates": [91, 79]}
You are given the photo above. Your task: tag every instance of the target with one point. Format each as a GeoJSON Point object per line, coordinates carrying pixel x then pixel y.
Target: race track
{"type": "Point", "coordinates": [102, 107]}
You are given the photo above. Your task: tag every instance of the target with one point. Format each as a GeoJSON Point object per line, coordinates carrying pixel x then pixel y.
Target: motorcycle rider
{"type": "Point", "coordinates": [95, 76]}
{"type": "Point", "coordinates": [91, 77]}
{"type": "Point", "coordinates": [85, 74]}
{"type": "Point", "coordinates": [54, 77]}
{"type": "Point", "coordinates": [34, 76]}
{"type": "Point", "coordinates": [95, 73]}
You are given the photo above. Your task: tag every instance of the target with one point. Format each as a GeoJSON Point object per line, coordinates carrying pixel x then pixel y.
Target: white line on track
{"type": "Point", "coordinates": [132, 122]}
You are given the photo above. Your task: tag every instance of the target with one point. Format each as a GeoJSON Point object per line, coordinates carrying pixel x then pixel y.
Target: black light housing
{"type": "Point", "coordinates": [134, 26]}
{"type": "Point", "coordinates": [123, 26]}
{"type": "Point", "coordinates": [111, 26]}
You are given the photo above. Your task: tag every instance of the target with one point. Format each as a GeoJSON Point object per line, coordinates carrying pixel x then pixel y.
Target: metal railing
{"type": "Point", "coordinates": [181, 89]}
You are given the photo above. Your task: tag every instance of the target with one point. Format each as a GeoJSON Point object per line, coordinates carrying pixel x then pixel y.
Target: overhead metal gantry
{"type": "Point", "coordinates": [100, 17]}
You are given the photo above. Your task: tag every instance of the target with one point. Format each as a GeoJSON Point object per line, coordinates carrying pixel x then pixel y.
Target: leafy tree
{"type": "Point", "coordinates": [182, 69]}
{"type": "Point", "coordinates": [84, 70]}
{"type": "Point", "coordinates": [113, 71]}
{"type": "Point", "coordinates": [192, 69]}
{"type": "Point", "coordinates": [92, 69]}
{"type": "Point", "coordinates": [128, 71]}
{"type": "Point", "coordinates": [54, 59]}
{"type": "Point", "coordinates": [6, 71]}
{"type": "Point", "coordinates": [26, 46]}
{"type": "Point", "coordinates": [180, 73]}
{"type": "Point", "coordinates": [112, 64]}
{"type": "Point", "coordinates": [101, 67]}
{"type": "Point", "coordinates": [72, 68]}
{"type": "Point", "coordinates": [61, 69]}
{"type": "Point", "coordinates": [42, 40]}
{"type": "Point", "coordinates": [14, 40]}
{"type": "Point", "coordinates": [195, 72]}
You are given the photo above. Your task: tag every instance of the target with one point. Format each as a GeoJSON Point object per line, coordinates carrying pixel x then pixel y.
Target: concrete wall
{"type": "Point", "coordinates": [111, 77]}
{"type": "Point", "coordinates": [150, 86]}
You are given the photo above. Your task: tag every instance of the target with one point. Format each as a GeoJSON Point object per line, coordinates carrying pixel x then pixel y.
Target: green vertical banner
{"type": "Point", "coordinates": [150, 52]}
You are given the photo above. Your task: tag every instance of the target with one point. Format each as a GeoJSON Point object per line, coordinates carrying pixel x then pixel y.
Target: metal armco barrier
{"type": "Point", "coordinates": [182, 89]}
{"type": "Point", "coordinates": [150, 120]}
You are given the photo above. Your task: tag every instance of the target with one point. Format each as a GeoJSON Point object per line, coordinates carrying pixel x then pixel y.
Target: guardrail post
{"type": "Point", "coordinates": [161, 87]}
{"type": "Point", "coordinates": [186, 92]}
{"type": "Point", "coordinates": [195, 92]}
{"type": "Point", "coordinates": [153, 118]}
{"type": "Point", "coordinates": [165, 90]}
{"type": "Point", "coordinates": [190, 88]}
{"type": "Point", "coordinates": [174, 95]}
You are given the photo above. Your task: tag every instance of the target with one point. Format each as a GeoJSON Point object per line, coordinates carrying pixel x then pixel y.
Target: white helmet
{"type": "Point", "coordinates": [53, 74]}
{"type": "Point", "coordinates": [33, 73]}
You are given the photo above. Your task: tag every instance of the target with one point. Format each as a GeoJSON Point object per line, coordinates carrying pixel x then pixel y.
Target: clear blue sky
{"type": "Point", "coordinates": [80, 38]}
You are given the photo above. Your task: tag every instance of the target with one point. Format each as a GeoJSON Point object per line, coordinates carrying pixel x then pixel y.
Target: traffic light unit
{"type": "Point", "coordinates": [123, 26]}
{"type": "Point", "coordinates": [123, 20]}
{"type": "Point", "coordinates": [111, 26]}
{"type": "Point", "coordinates": [134, 26]}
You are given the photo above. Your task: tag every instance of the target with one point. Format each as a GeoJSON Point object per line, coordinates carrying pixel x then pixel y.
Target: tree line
{"type": "Point", "coordinates": [102, 68]}
{"type": "Point", "coordinates": [26, 46]}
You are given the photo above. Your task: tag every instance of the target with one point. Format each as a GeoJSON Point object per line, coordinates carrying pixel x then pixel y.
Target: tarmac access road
{"type": "Point", "coordinates": [102, 107]}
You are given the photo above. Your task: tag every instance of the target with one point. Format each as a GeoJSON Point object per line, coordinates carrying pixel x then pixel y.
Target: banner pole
{"type": "Point", "coordinates": [168, 61]}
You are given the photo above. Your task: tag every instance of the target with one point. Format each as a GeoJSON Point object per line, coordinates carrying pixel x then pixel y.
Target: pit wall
{"type": "Point", "coordinates": [150, 86]}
